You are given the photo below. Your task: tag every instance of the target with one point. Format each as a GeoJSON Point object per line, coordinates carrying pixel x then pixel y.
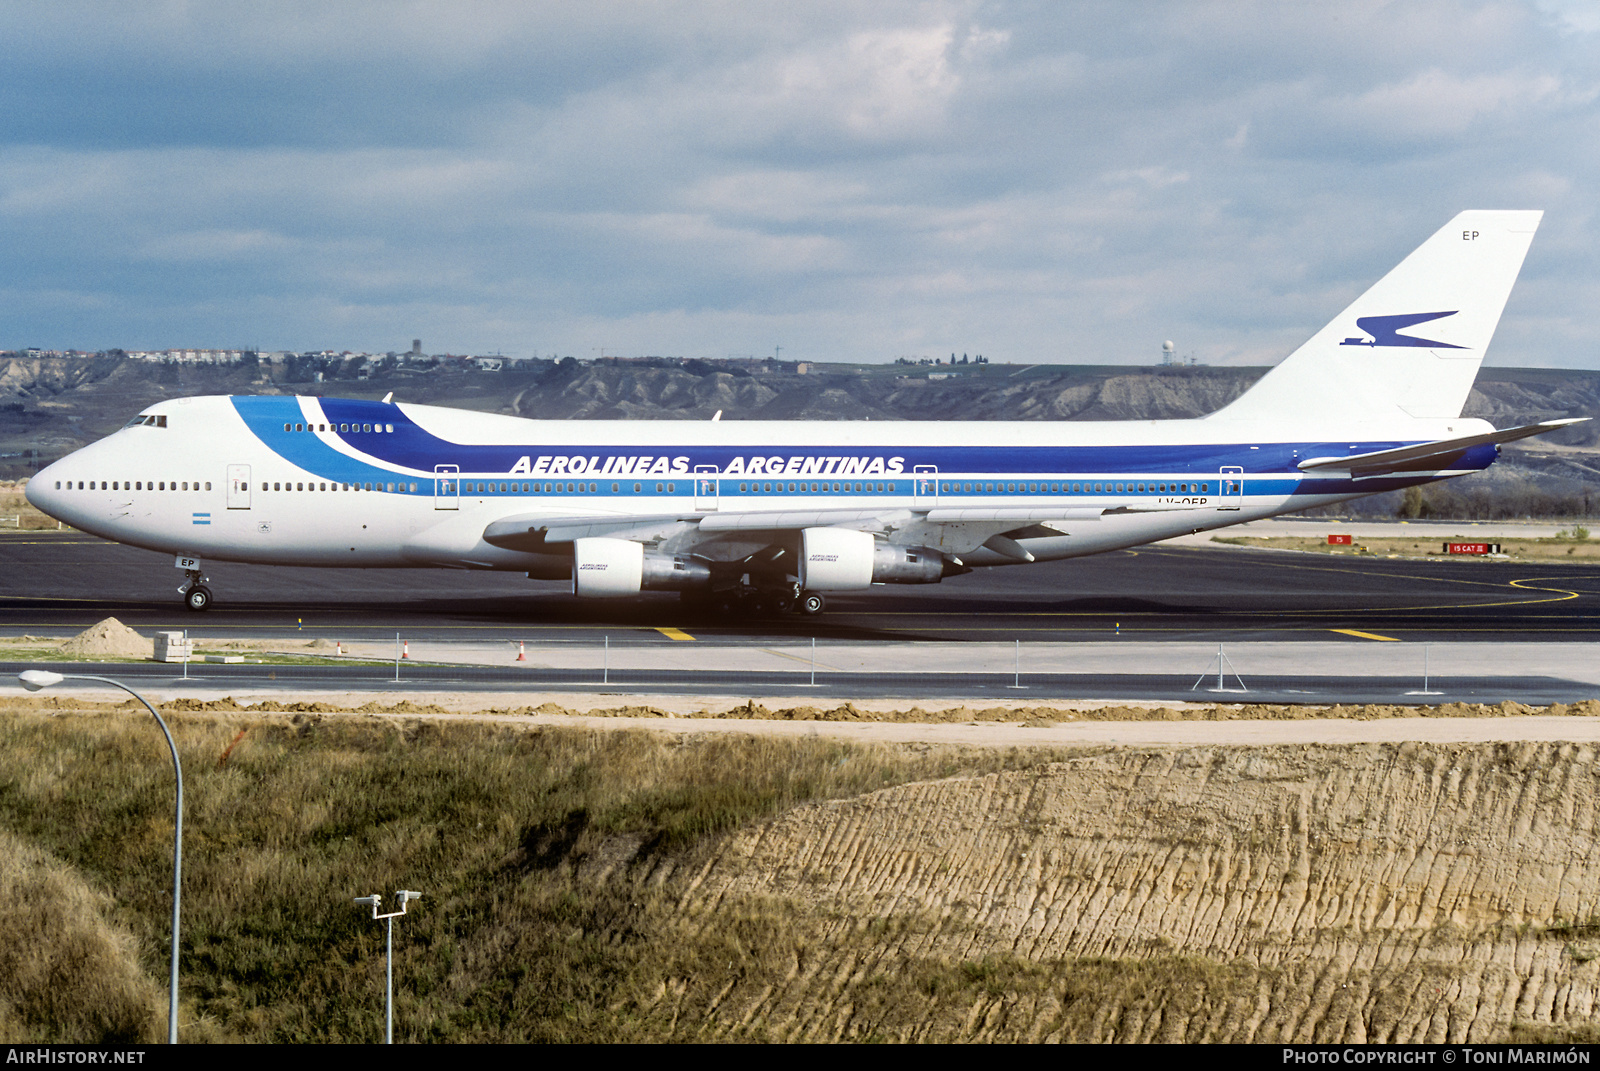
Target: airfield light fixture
{"type": "Point", "coordinates": [35, 679]}
{"type": "Point", "coordinates": [375, 901]}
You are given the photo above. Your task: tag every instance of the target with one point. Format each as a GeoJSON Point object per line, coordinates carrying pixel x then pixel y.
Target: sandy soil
{"type": "Point", "coordinates": [1381, 893]}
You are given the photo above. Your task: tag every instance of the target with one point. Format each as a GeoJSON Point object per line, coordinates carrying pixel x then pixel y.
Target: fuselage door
{"type": "Point", "coordinates": [706, 487]}
{"type": "Point", "coordinates": [446, 487]}
{"type": "Point", "coordinates": [925, 486]}
{"type": "Point", "coordinates": [238, 486]}
{"type": "Point", "coordinates": [1230, 488]}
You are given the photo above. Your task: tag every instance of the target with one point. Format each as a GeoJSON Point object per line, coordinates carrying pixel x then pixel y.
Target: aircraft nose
{"type": "Point", "coordinates": [40, 491]}
{"type": "Point", "coordinates": [44, 490]}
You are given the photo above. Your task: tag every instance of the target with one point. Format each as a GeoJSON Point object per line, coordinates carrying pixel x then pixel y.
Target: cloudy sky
{"type": "Point", "coordinates": [850, 180]}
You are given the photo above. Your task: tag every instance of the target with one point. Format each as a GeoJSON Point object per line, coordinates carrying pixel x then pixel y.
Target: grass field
{"type": "Point", "coordinates": [506, 831]}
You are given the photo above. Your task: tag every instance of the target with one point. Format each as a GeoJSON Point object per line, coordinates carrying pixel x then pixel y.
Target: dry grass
{"type": "Point", "coordinates": [68, 968]}
{"type": "Point", "coordinates": [14, 504]}
{"type": "Point", "coordinates": [509, 833]}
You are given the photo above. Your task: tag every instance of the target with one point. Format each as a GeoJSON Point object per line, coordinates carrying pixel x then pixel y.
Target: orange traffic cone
{"type": "Point", "coordinates": [338, 647]}
{"type": "Point", "coordinates": [522, 654]}
{"type": "Point", "coordinates": [405, 649]}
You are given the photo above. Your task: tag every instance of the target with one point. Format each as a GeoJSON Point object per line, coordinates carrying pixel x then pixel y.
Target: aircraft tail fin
{"type": "Point", "coordinates": [1411, 345]}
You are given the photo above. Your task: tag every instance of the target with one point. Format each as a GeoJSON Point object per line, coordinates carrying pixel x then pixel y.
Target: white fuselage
{"type": "Point", "coordinates": [266, 480]}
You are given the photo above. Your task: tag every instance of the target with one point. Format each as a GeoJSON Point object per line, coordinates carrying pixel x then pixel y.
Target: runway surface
{"type": "Point", "coordinates": [1142, 625]}
{"type": "Point", "coordinates": [56, 585]}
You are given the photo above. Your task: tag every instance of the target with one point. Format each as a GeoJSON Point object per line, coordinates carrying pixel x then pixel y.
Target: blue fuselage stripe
{"type": "Point", "coordinates": [1269, 469]}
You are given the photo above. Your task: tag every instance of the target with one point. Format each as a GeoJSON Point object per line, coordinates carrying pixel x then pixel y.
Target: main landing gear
{"type": "Point", "coordinates": [748, 601]}
{"type": "Point", "coordinates": [196, 596]}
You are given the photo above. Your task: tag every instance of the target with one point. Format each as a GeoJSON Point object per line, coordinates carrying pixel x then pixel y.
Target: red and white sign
{"type": "Point", "coordinates": [1472, 548]}
{"type": "Point", "coordinates": [1340, 540]}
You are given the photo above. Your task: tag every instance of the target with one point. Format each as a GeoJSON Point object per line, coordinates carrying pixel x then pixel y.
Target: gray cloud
{"type": "Point", "coordinates": [855, 181]}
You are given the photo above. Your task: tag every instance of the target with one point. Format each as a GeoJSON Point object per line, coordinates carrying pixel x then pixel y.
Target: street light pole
{"type": "Point", "coordinates": [35, 679]}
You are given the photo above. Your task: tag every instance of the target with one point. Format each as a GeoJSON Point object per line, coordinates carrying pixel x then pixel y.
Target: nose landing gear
{"type": "Point", "coordinates": [196, 596]}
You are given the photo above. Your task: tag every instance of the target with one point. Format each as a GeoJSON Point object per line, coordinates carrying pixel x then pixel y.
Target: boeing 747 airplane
{"type": "Point", "coordinates": [779, 514]}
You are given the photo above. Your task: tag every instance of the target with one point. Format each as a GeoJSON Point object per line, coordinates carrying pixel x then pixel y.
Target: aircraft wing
{"type": "Point", "coordinates": [956, 530]}
{"type": "Point", "coordinates": [1425, 456]}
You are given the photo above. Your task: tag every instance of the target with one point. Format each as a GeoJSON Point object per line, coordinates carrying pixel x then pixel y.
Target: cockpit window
{"type": "Point", "coordinates": [151, 420]}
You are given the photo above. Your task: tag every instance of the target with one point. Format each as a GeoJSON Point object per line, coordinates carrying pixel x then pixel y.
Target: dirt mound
{"type": "Point", "coordinates": [109, 639]}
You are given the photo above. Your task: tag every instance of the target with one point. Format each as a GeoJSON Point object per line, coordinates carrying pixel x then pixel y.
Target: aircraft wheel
{"type": "Point", "coordinates": [198, 598]}
{"type": "Point", "coordinates": [811, 603]}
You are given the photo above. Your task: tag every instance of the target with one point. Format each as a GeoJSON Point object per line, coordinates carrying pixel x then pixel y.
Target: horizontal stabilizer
{"type": "Point", "coordinates": [1417, 458]}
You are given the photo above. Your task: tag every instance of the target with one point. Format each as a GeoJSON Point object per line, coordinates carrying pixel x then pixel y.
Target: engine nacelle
{"type": "Point", "coordinates": [608, 568]}
{"type": "Point", "coordinates": [835, 559]}
{"type": "Point", "coordinates": [839, 559]}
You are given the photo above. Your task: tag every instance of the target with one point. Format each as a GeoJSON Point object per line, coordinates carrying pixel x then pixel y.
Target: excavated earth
{"type": "Point", "coordinates": [1400, 893]}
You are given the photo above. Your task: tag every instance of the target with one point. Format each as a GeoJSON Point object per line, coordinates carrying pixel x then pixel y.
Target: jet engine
{"type": "Point", "coordinates": [840, 559]}
{"type": "Point", "coordinates": [607, 568]}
